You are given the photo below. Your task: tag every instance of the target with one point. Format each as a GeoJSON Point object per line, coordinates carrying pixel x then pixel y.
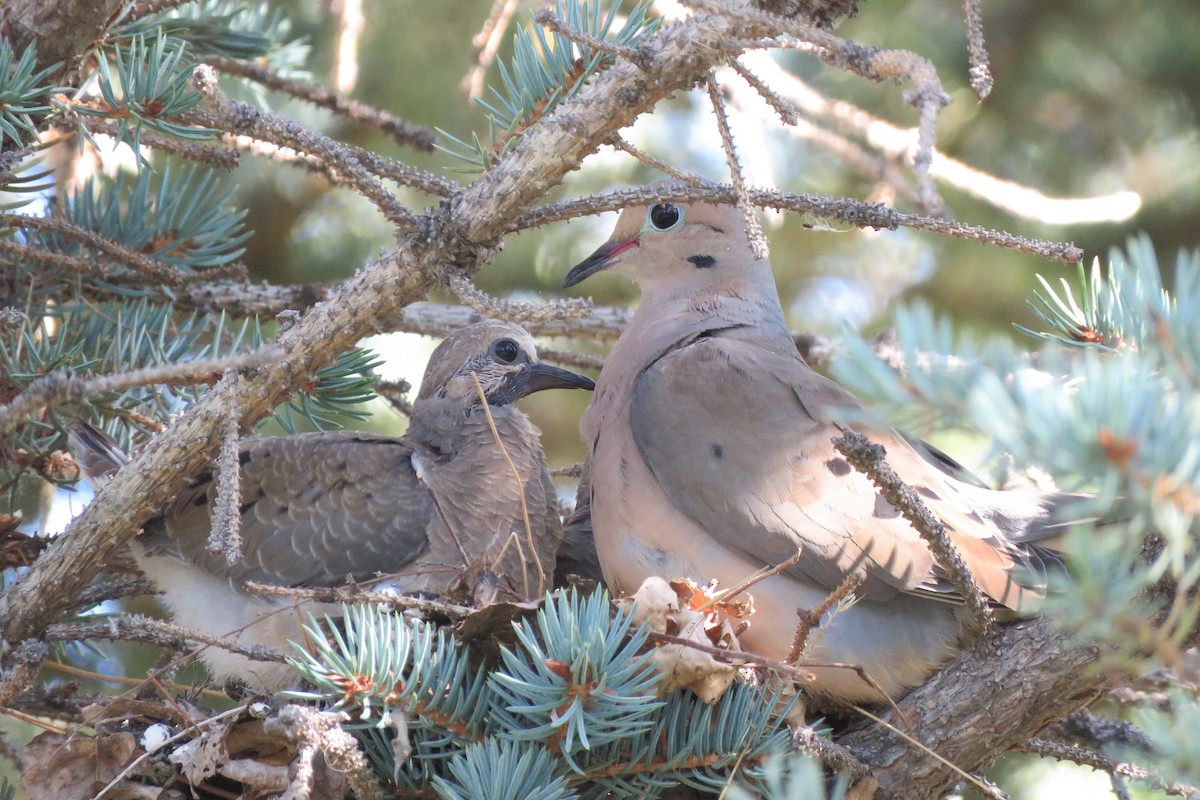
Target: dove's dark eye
{"type": "Point", "coordinates": [506, 351]}
{"type": "Point", "coordinates": [665, 216]}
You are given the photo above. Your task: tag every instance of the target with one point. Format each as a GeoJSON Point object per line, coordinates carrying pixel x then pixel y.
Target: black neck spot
{"type": "Point", "coordinates": [703, 262]}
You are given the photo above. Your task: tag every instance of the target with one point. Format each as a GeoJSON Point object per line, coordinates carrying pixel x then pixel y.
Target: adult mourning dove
{"type": "Point", "coordinates": [711, 458]}
{"type": "Point", "coordinates": [320, 508]}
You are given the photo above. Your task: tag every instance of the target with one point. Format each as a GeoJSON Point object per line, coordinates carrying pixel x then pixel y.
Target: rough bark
{"type": "Point", "coordinates": [993, 696]}
{"type": "Point", "coordinates": [65, 30]}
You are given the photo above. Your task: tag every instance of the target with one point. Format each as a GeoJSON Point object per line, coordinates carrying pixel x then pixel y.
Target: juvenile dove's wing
{"type": "Point", "coordinates": [315, 508]}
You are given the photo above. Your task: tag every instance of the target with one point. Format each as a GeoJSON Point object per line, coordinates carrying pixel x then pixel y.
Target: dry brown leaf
{"type": "Point", "coordinates": [672, 607]}
{"type": "Point", "coordinates": [200, 758]}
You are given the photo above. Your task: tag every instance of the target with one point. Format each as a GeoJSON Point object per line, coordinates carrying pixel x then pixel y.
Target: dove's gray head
{"type": "Point", "coordinates": [503, 357]}
{"type": "Point", "coordinates": [686, 246]}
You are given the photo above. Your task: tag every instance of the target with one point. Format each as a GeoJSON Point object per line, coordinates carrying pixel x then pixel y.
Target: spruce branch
{"type": "Point", "coordinates": [1063, 751]}
{"type": "Point", "coordinates": [851, 212]}
{"type": "Point", "coordinates": [587, 42]}
{"type": "Point", "coordinates": [146, 86]}
{"type": "Point", "coordinates": [58, 388]}
{"type": "Point", "coordinates": [143, 265]}
{"type": "Point", "coordinates": [402, 131]}
{"type": "Point", "coordinates": [136, 628]}
{"type": "Point", "coordinates": [243, 118]}
{"type": "Point", "coordinates": [23, 88]}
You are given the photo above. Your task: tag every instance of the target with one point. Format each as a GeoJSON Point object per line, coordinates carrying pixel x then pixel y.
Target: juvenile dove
{"type": "Point", "coordinates": [711, 458]}
{"type": "Point", "coordinates": [320, 508]}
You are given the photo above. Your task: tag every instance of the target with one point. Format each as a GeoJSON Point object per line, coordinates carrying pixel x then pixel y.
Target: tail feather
{"type": "Point", "coordinates": [97, 454]}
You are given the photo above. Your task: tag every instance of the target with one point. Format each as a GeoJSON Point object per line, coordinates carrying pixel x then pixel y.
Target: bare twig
{"type": "Point", "coordinates": [136, 628]}
{"type": "Point", "coordinates": [571, 358]}
{"type": "Point", "coordinates": [570, 471]}
{"type": "Point", "coordinates": [395, 393]}
{"type": "Point", "coordinates": [805, 740]}
{"type": "Point", "coordinates": [487, 44]}
{"type": "Point", "coordinates": [25, 661]}
{"type": "Point", "coordinates": [758, 577]}
{"type": "Point", "coordinates": [214, 156]}
{"type": "Point", "coordinates": [758, 242]}
{"type": "Point", "coordinates": [811, 619]}
{"type": "Point", "coordinates": [786, 111]}
{"type": "Point", "coordinates": [251, 299]}
{"type": "Point", "coordinates": [401, 130]}
{"type": "Point", "coordinates": [1081, 755]}
{"type": "Point", "coordinates": [244, 118]}
{"type": "Point", "coordinates": [99, 593]}
{"type": "Point", "coordinates": [63, 386]}
{"type": "Point", "coordinates": [518, 312]}
{"type": "Point", "coordinates": [353, 594]}
{"type": "Point", "coordinates": [601, 324]}
{"type": "Point", "coordinates": [980, 72]}
{"type": "Point", "coordinates": [641, 155]}
{"type": "Point", "coordinates": [225, 534]}
{"type": "Point", "coordinates": [1097, 733]}
{"type": "Point", "coordinates": [870, 62]}
{"type": "Point", "coordinates": [871, 460]}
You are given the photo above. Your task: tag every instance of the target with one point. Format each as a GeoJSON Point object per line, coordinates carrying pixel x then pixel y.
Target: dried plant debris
{"type": "Point", "coordinates": [688, 611]}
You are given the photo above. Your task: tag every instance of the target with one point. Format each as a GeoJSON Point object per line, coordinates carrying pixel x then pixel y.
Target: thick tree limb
{"type": "Point", "coordinates": [991, 698]}
{"type": "Point", "coordinates": [64, 30]}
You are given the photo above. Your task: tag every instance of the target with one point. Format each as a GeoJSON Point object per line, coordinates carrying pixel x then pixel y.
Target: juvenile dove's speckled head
{"type": "Point", "coordinates": [504, 358]}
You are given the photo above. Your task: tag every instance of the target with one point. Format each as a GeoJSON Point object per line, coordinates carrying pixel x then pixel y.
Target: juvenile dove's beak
{"type": "Point", "coordinates": [537, 377]}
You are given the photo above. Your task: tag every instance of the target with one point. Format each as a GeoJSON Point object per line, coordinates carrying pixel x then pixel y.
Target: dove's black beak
{"type": "Point", "coordinates": [602, 259]}
{"type": "Point", "coordinates": [536, 378]}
